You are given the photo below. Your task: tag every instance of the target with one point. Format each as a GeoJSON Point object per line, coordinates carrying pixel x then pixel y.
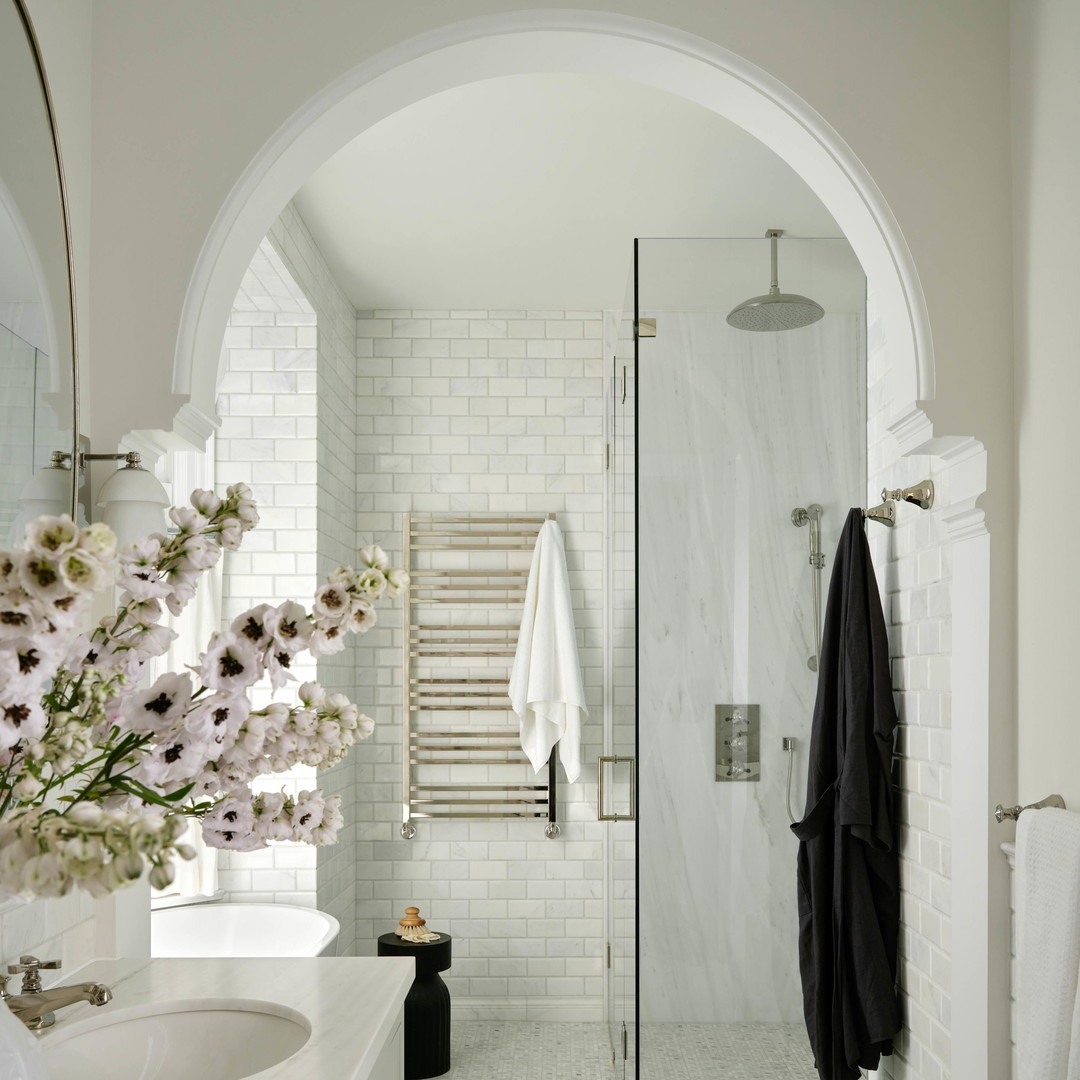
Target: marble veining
{"type": "Point", "coordinates": [735, 430]}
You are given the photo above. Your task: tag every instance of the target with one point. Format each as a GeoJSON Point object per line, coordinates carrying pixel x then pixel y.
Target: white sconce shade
{"type": "Point", "coordinates": [132, 503]}
{"type": "Point", "coordinates": [46, 493]}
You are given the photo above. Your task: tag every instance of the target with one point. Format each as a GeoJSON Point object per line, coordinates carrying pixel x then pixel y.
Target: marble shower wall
{"type": "Point", "coordinates": [735, 430]}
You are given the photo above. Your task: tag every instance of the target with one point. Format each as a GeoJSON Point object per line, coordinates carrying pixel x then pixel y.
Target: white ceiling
{"type": "Point", "coordinates": [527, 192]}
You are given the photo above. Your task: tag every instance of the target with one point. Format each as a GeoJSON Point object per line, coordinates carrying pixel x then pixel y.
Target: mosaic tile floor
{"type": "Point", "coordinates": [512, 1050]}
{"type": "Point", "coordinates": [726, 1052]}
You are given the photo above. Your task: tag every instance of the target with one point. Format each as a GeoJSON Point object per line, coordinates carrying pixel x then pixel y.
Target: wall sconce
{"type": "Point", "coordinates": [132, 500]}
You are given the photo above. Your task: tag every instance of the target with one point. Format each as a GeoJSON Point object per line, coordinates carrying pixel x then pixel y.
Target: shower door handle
{"type": "Point", "coordinates": [615, 816]}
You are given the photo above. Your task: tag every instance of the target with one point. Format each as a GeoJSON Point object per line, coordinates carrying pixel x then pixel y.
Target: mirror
{"type": "Point", "coordinates": [38, 381]}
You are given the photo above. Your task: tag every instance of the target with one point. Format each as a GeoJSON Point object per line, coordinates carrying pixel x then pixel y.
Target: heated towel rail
{"type": "Point", "coordinates": [462, 607]}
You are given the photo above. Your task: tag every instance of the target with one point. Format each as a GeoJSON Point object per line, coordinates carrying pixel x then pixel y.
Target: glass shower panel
{"type": "Point", "coordinates": [735, 430]}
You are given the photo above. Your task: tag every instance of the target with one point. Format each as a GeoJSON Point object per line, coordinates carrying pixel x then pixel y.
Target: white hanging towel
{"type": "Point", "coordinates": [545, 682]}
{"type": "Point", "coordinates": [1047, 944]}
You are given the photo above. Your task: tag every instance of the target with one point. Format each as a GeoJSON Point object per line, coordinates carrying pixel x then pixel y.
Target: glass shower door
{"type": "Point", "coordinates": [616, 796]}
{"type": "Point", "coordinates": [735, 430]}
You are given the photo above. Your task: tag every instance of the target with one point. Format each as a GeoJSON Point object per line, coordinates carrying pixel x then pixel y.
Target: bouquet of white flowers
{"type": "Point", "coordinates": [98, 772]}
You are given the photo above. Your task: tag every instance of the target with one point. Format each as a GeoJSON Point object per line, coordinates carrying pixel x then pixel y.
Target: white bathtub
{"type": "Point", "coordinates": [241, 930]}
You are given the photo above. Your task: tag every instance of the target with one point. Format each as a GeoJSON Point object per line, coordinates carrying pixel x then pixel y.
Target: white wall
{"type": "Point", "coordinates": [1046, 174]}
{"type": "Point", "coordinates": [226, 80]}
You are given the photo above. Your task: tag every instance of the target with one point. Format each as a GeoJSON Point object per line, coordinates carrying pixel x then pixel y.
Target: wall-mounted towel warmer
{"type": "Point", "coordinates": [461, 758]}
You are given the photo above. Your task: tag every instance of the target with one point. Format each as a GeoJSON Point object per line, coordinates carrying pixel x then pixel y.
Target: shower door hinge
{"type": "Point", "coordinates": [609, 954]}
{"type": "Point", "coordinates": [646, 328]}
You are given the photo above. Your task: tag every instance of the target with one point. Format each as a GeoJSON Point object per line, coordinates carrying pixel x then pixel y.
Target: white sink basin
{"type": "Point", "coordinates": [220, 1039]}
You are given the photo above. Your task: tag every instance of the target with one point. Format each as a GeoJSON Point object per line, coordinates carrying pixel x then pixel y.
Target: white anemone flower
{"type": "Point", "coordinates": [396, 580]}
{"type": "Point", "coordinates": [41, 578]}
{"type": "Point", "coordinates": [148, 639]}
{"type": "Point", "coordinates": [98, 541]}
{"type": "Point", "coordinates": [141, 611]}
{"type": "Point", "coordinates": [177, 757]}
{"type": "Point", "coordinates": [218, 720]}
{"type": "Point", "coordinates": [188, 520]}
{"type": "Point", "coordinates": [161, 707]}
{"type": "Point", "coordinates": [231, 534]}
{"type": "Point", "coordinates": [138, 570]}
{"type": "Point", "coordinates": [310, 694]}
{"type": "Point", "coordinates": [199, 552]}
{"type": "Point", "coordinates": [252, 626]}
{"type": "Point", "coordinates": [231, 825]}
{"type": "Point", "coordinates": [50, 536]}
{"type": "Point", "coordinates": [28, 662]}
{"type": "Point", "coordinates": [205, 502]}
{"type": "Point", "coordinates": [230, 664]}
{"type": "Point", "coordinates": [326, 640]}
{"type": "Point", "coordinates": [307, 814]}
{"type": "Point", "coordinates": [182, 583]}
{"type": "Point", "coordinates": [18, 615]}
{"type": "Point", "coordinates": [44, 875]}
{"type": "Point", "coordinates": [362, 615]}
{"type": "Point", "coordinates": [372, 582]}
{"type": "Point", "coordinates": [333, 819]}
{"type": "Point", "coordinates": [331, 603]}
{"type": "Point", "coordinates": [290, 626]}
{"type": "Point", "coordinates": [374, 556]}
{"type": "Point", "coordinates": [20, 720]}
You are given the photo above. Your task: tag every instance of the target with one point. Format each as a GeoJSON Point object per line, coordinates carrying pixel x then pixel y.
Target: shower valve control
{"type": "Point", "coordinates": [738, 742]}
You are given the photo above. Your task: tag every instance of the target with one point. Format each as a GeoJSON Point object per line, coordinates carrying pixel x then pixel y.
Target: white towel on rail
{"type": "Point", "coordinates": [545, 682]}
{"type": "Point", "coordinates": [1047, 944]}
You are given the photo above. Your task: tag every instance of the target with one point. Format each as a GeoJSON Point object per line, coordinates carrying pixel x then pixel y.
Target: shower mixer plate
{"type": "Point", "coordinates": [738, 743]}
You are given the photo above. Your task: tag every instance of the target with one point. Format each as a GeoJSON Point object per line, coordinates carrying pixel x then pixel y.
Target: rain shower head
{"type": "Point", "coordinates": [775, 310]}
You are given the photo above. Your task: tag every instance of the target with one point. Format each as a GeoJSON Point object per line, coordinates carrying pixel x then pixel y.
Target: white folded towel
{"type": "Point", "coordinates": [545, 682]}
{"type": "Point", "coordinates": [1047, 944]}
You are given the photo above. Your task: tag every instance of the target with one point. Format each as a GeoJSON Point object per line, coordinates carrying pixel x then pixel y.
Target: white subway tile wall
{"type": "Point", "coordinates": [62, 929]}
{"type": "Point", "coordinates": [485, 411]}
{"type": "Point", "coordinates": [334, 541]}
{"type": "Point", "coordinates": [914, 577]}
{"type": "Point", "coordinates": [267, 440]}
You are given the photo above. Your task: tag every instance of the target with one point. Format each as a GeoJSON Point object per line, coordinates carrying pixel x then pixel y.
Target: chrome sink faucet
{"type": "Point", "coordinates": [36, 1007]}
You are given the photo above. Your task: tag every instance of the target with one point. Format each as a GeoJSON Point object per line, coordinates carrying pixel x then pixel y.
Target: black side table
{"type": "Point", "coordinates": [427, 1006]}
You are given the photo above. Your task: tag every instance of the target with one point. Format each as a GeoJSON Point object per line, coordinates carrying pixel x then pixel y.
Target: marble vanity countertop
{"type": "Point", "coordinates": [352, 1003]}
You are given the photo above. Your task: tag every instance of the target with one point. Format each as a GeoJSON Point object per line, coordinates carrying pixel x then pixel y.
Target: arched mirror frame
{"type": "Point", "coordinates": [61, 310]}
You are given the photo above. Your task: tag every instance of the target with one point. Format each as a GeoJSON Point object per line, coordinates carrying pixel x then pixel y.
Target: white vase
{"type": "Point", "coordinates": [20, 1055]}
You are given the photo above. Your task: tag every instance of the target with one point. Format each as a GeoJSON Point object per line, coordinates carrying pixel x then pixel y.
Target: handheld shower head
{"type": "Point", "coordinates": [775, 310]}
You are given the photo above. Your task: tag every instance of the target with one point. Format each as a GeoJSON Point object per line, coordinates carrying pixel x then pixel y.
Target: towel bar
{"type": "Point", "coordinates": [1013, 812]}
{"type": "Point", "coordinates": [479, 638]}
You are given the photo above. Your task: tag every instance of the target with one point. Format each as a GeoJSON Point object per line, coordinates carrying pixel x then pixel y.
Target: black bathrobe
{"type": "Point", "coordinates": [848, 865]}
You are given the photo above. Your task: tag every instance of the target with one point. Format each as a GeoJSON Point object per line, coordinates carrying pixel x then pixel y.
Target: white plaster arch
{"type": "Point", "coordinates": [567, 42]}
{"type": "Point", "coordinates": [703, 72]}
